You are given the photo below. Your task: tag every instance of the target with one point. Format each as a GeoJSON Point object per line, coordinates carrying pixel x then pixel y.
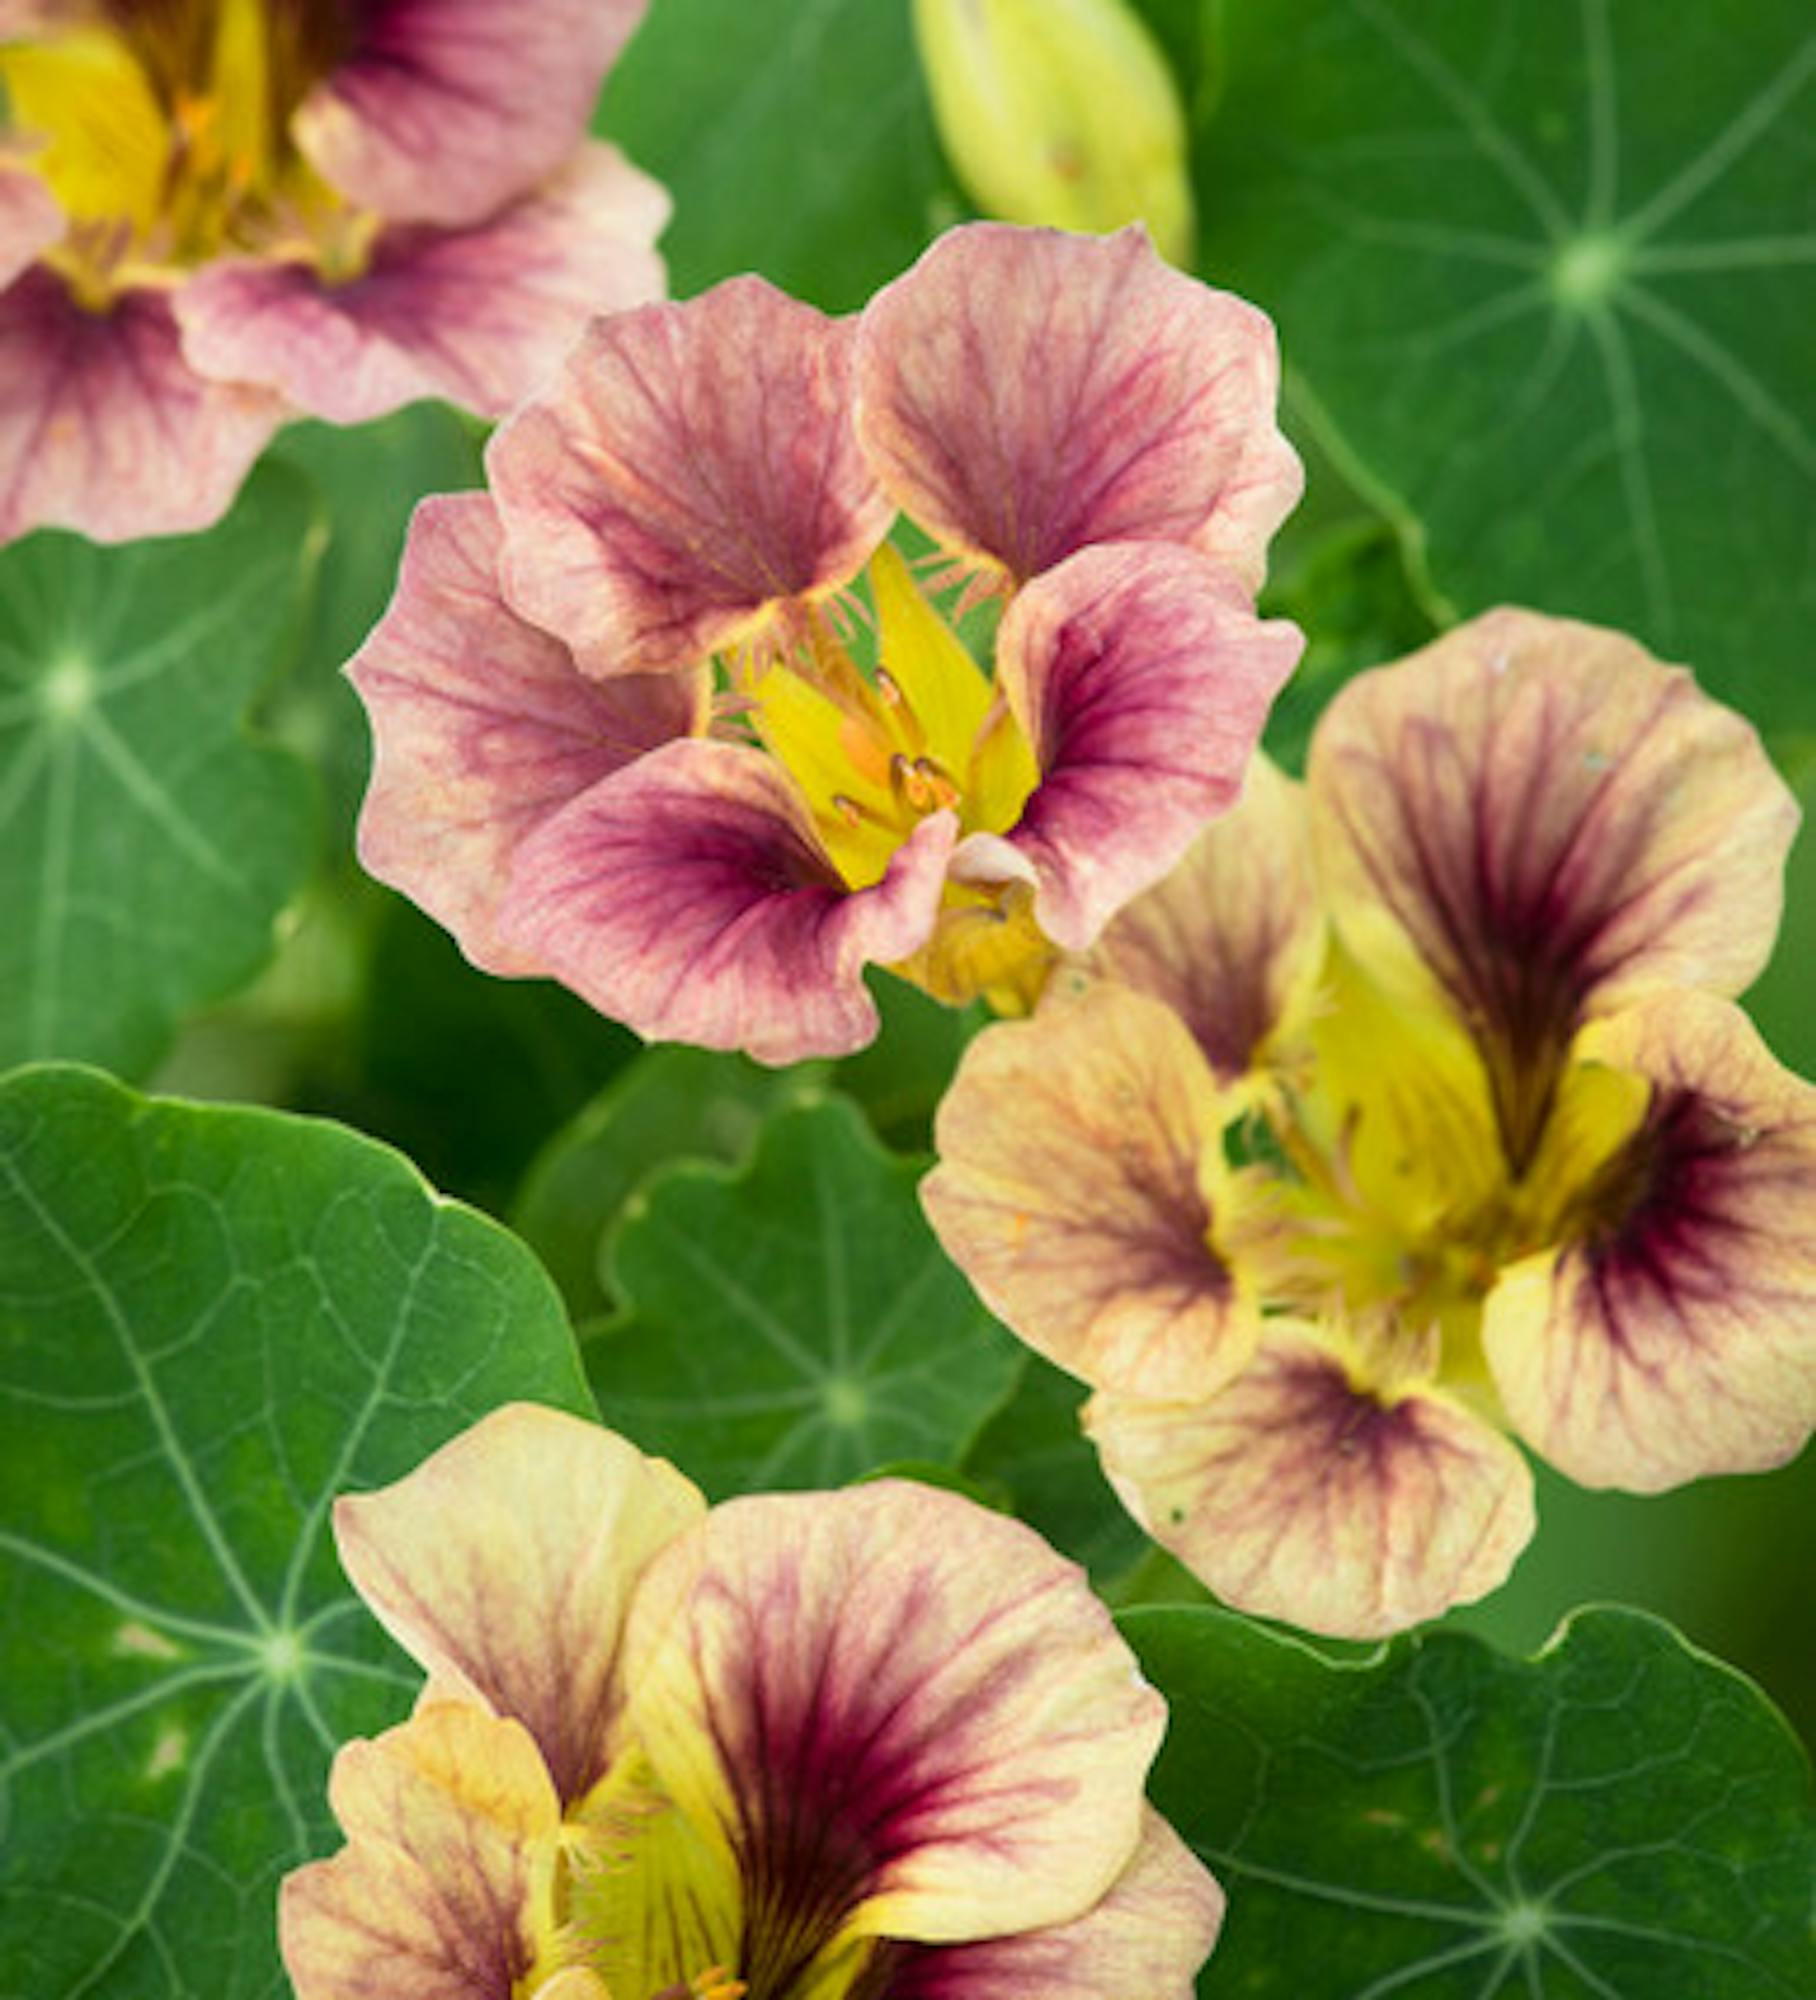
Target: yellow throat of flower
{"type": "Point", "coordinates": [1389, 1206]}
{"type": "Point", "coordinates": [637, 1902]}
{"type": "Point", "coordinates": [163, 132]}
{"type": "Point", "coordinates": [874, 755]}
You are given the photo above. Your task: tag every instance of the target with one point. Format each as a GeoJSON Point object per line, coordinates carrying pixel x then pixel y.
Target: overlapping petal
{"type": "Point", "coordinates": [1072, 1191]}
{"type": "Point", "coordinates": [1148, 1937]}
{"type": "Point", "coordinates": [912, 1718]}
{"type": "Point", "coordinates": [1674, 1334]}
{"type": "Point", "coordinates": [692, 469]}
{"type": "Point", "coordinates": [432, 1898]}
{"type": "Point", "coordinates": [1141, 678]}
{"type": "Point", "coordinates": [479, 315]}
{"type": "Point", "coordinates": [1543, 819]}
{"type": "Point", "coordinates": [1298, 1492]}
{"type": "Point", "coordinates": [504, 1564]}
{"type": "Point", "coordinates": [440, 110]}
{"type": "Point", "coordinates": [690, 897]}
{"type": "Point", "coordinates": [1025, 393]}
{"type": "Point", "coordinates": [30, 221]}
{"type": "Point", "coordinates": [1232, 940]}
{"type": "Point", "coordinates": [105, 428]}
{"type": "Point", "coordinates": [484, 729]}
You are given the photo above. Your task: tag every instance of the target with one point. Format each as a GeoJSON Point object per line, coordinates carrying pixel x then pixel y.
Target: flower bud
{"type": "Point", "coordinates": [1061, 112]}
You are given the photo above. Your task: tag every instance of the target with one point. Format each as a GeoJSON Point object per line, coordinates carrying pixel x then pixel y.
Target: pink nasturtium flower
{"type": "Point", "coordinates": [215, 214]}
{"type": "Point", "coordinates": [1410, 1112]}
{"type": "Point", "coordinates": [879, 1744]}
{"type": "Point", "coordinates": [622, 736]}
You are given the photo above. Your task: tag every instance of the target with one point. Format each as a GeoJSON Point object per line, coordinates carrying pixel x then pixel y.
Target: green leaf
{"type": "Point", "coordinates": [147, 844]}
{"type": "Point", "coordinates": [369, 480]}
{"type": "Point", "coordinates": [1033, 1448]}
{"type": "Point", "coordinates": [211, 1323]}
{"type": "Point", "coordinates": [795, 140]}
{"type": "Point", "coordinates": [1550, 279]}
{"type": "Point", "coordinates": [670, 1103]}
{"type": "Point", "coordinates": [793, 1323]}
{"type": "Point", "coordinates": [465, 1072]}
{"type": "Point", "coordinates": [1622, 1818]}
{"type": "Point", "coordinates": [901, 1077]}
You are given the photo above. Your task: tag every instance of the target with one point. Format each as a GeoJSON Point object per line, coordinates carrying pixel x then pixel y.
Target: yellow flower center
{"type": "Point", "coordinates": [640, 1903]}
{"type": "Point", "coordinates": [1383, 1197]}
{"type": "Point", "coordinates": [874, 754]}
{"type": "Point", "coordinates": [164, 134]}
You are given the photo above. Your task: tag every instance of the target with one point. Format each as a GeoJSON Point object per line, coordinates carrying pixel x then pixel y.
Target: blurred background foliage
{"type": "Point", "coordinates": [1543, 275]}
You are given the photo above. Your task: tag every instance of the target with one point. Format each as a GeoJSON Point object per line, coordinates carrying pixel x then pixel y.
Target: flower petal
{"type": "Point", "coordinates": [1232, 940]}
{"type": "Point", "coordinates": [1296, 1493]}
{"type": "Point", "coordinates": [431, 1900]}
{"type": "Point", "coordinates": [105, 428]}
{"type": "Point", "coordinates": [480, 316]}
{"type": "Point", "coordinates": [1546, 820]}
{"type": "Point", "coordinates": [1149, 1936]}
{"type": "Point", "coordinates": [30, 221]}
{"type": "Point", "coordinates": [442, 110]}
{"type": "Point", "coordinates": [1071, 1192]}
{"type": "Point", "coordinates": [911, 1717]}
{"type": "Point", "coordinates": [1676, 1336]}
{"type": "Point", "coordinates": [691, 469]}
{"type": "Point", "coordinates": [1141, 678]}
{"type": "Point", "coordinates": [483, 727]}
{"type": "Point", "coordinates": [690, 897]}
{"type": "Point", "coordinates": [504, 1564]}
{"type": "Point", "coordinates": [1024, 393]}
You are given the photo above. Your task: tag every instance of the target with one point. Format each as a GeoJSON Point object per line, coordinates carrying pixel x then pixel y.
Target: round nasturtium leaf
{"type": "Point", "coordinates": [1621, 1818]}
{"type": "Point", "coordinates": [1548, 273]}
{"type": "Point", "coordinates": [147, 844]}
{"type": "Point", "coordinates": [793, 1323]}
{"type": "Point", "coordinates": [212, 1322]}
{"type": "Point", "coordinates": [796, 141]}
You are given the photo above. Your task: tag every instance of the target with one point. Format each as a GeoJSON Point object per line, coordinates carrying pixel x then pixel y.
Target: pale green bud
{"type": "Point", "coordinates": [1059, 111]}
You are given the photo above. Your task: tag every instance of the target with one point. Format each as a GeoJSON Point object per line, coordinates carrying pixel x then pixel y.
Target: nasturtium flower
{"type": "Point", "coordinates": [670, 549]}
{"type": "Point", "coordinates": [872, 1745]}
{"type": "Point", "coordinates": [1411, 1111]}
{"type": "Point", "coordinates": [215, 214]}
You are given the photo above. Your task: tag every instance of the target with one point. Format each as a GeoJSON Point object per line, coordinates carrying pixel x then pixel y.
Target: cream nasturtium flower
{"type": "Point", "coordinates": [215, 214]}
{"type": "Point", "coordinates": [1410, 1111]}
{"type": "Point", "coordinates": [879, 1744]}
{"type": "Point", "coordinates": [629, 730]}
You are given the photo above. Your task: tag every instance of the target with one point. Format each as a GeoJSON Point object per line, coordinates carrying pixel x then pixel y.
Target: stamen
{"type": "Point", "coordinates": [907, 725]}
{"type": "Point", "coordinates": [939, 784]}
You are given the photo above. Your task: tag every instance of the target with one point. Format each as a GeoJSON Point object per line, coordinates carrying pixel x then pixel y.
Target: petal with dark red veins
{"type": "Point", "coordinates": [1675, 1334]}
{"type": "Point", "coordinates": [483, 728]}
{"type": "Point", "coordinates": [910, 1717]}
{"type": "Point", "coordinates": [505, 1563]}
{"type": "Point", "coordinates": [1146, 1940]}
{"type": "Point", "coordinates": [1141, 678]}
{"type": "Point", "coordinates": [1546, 821]}
{"type": "Point", "coordinates": [690, 470]}
{"type": "Point", "coordinates": [480, 316]}
{"type": "Point", "coordinates": [104, 426]}
{"type": "Point", "coordinates": [1072, 1191]}
{"type": "Point", "coordinates": [1298, 1493]}
{"type": "Point", "coordinates": [1233, 938]}
{"type": "Point", "coordinates": [1024, 393]}
{"type": "Point", "coordinates": [432, 1897]}
{"type": "Point", "coordinates": [690, 897]}
{"type": "Point", "coordinates": [443, 110]}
